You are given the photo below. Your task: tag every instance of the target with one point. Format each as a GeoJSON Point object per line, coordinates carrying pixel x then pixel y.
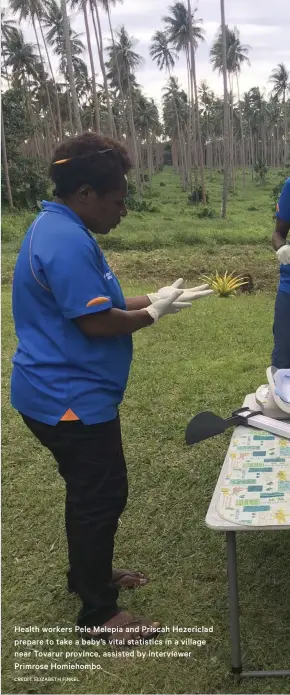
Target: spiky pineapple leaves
{"type": "Point", "coordinates": [225, 285]}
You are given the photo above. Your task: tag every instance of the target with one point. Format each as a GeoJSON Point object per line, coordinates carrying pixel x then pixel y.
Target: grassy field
{"type": "Point", "coordinates": [208, 357]}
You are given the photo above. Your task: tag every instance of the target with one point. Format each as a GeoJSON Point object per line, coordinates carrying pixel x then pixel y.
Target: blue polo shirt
{"type": "Point", "coordinates": [283, 213]}
{"type": "Point", "coordinates": [60, 274]}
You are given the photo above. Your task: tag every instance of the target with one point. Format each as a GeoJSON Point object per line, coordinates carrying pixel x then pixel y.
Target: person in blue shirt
{"type": "Point", "coordinates": [71, 365]}
{"type": "Point", "coordinates": [281, 327]}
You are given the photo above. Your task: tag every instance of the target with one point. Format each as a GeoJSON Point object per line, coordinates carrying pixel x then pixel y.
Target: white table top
{"type": "Point", "coordinates": [213, 520]}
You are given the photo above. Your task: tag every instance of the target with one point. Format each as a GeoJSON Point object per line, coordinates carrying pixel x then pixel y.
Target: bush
{"type": "Point", "coordinates": [196, 197]}
{"type": "Point", "coordinates": [261, 171]}
{"type": "Point", "coordinates": [28, 180]}
{"type": "Point", "coordinates": [206, 212]}
{"type": "Point", "coordinates": [139, 205]}
{"type": "Point", "coordinates": [276, 192]}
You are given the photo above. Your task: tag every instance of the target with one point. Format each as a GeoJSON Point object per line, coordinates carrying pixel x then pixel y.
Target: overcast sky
{"type": "Point", "coordinates": [264, 25]}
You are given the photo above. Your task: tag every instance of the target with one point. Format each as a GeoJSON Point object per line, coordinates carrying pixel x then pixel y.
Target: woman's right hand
{"type": "Point", "coordinates": [169, 305]}
{"type": "Point", "coordinates": [283, 254]}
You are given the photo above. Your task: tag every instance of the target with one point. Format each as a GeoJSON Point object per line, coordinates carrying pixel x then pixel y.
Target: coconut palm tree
{"type": "Point", "coordinates": [21, 57]}
{"type": "Point", "coordinates": [281, 85]}
{"type": "Point", "coordinates": [68, 53]}
{"type": "Point", "coordinates": [82, 4]}
{"type": "Point", "coordinates": [226, 112]}
{"type": "Point", "coordinates": [147, 124]}
{"type": "Point", "coordinates": [7, 29]}
{"type": "Point", "coordinates": [236, 57]}
{"type": "Point", "coordinates": [58, 27]}
{"type": "Point", "coordinates": [192, 47]}
{"type": "Point", "coordinates": [33, 9]}
{"type": "Point", "coordinates": [107, 4]}
{"type": "Point", "coordinates": [161, 52]}
{"type": "Point", "coordinates": [122, 64]}
{"type": "Point", "coordinates": [7, 26]}
{"type": "Point", "coordinates": [99, 40]}
{"type": "Point", "coordinates": [206, 101]}
{"type": "Point", "coordinates": [5, 162]}
{"type": "Point", "coordinates": [236, 52]}
{"type": "Point", "coordinates": [175, 116]}
{"type": "Point", "coordinates": [184, 32]}
{"type": "Point", "coordinates": [165, 57]}
{"type": "Point", "coordinates": [122, 53]}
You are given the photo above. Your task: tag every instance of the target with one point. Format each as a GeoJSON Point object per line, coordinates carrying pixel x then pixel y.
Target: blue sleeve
{"type": "Point", "coordinates": [283, 205]}
{"type": "Point", "coordinates": [74, 275]}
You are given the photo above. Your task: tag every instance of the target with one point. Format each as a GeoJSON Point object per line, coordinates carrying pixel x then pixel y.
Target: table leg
{"type": "Point", "coordinates": [234, 603]}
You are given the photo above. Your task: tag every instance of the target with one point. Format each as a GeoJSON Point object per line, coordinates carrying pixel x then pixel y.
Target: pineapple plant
{"type": "Point", "coordinates": [225, 285]}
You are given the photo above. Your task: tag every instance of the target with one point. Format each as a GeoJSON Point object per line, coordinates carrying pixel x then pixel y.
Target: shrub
{"type": "Point", "coordinates": [260, 170]}
{"type": "Point", "coordinates": [196, 197]}
{"type": "Point", "coordinates": [225, 285]}
{"type": "Point", "coordinates": [28, 180]}
{"type": "Point", "coordinates": [133, 203]}
{"type": "Point", "coordinates": [276, 192]}
{"type": "Point", "coordinates": [206, 212]}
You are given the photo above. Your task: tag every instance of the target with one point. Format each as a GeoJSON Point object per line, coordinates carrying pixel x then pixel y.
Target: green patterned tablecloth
{"type": "Point", "coordinates": [256, 490]}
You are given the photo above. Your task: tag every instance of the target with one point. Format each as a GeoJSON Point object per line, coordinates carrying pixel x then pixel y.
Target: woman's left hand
{"type": "Point", "coordinates": [187, 295]}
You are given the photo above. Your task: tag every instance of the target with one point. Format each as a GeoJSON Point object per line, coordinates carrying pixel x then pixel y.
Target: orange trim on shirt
{"type": "Point", "coordinates": [97, 300]}
{"type": "Point", "coordinates": [69, 416]}
{"type": "Point", "coordinates": [62, 161]}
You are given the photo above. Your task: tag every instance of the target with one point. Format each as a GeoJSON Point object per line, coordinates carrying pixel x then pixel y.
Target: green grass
{"type": "Point", "coordinates": [208, 357]}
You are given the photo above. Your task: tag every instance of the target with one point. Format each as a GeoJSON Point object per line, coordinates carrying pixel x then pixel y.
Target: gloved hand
{"type": "Point", "coordinates": [283, 254]}
{"type": "Point", "coordinates": [169, 305]}
{"type": "Point", "coordinates": [187, 294]}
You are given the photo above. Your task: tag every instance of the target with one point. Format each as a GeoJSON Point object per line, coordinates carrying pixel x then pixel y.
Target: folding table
{"type": "Point", "coordinates": [252, 494]}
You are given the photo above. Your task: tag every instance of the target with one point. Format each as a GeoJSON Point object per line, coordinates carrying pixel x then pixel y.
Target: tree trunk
{"type": "Point", "coordinates": [135, 145]}
{"type": "Point", "coordinates": [226, 113]}
{"type": "Point", "coordinates": [46, 87]}
{"type": "Point", "coordinates": [195, 157]}
{"type": "Point", "coordinates": [285, 131]}
{"type": "Point", "coordinates": [97, 119]}
{"type": "Point", "coordinates": [251, 148]}
{"type": "Point", "coordinates": [29, 109]}
{"type": "Point", "coordinates": [69, 111]}
{"type": "Point", "coordinates": [182, 155]}
{"type": "Point", "coordinates": [7, 78]}
{"type": "Point", "coordinates": [5, 162]}
{"type": "Point", "coordinates": [242, 136]}
{"type": "Point", "coordinates": [102, 64]}
{"type": "Point", "coordinates": [193, 69]}
{"type": "Point", "coordinates": [59, 122]}
{"type": "Point", "coordinates": [118, 71]}
{"type": "Point", "coordinates": [70, 67]}
{"type": "Point", "coordinates": [231, 134]}
{"type": "Point", "coordinates": [189, 128]}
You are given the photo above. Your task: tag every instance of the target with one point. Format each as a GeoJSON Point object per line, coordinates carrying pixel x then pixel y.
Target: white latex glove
{"type": "Point", "coordinates": [283, 254]}
{"type": "Point", "coordinates": [188, 295]}
{"type": "Point", "coordinates": [169, 305]}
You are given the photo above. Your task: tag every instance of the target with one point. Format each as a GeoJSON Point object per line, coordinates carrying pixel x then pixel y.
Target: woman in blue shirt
{"type": "Point", "coordinates": [281, 328]}
{"type": "Point", "coordinates": [71, 365]}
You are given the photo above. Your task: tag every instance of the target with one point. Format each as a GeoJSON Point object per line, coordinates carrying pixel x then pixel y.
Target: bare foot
{"type": "Point", "coordinates": [124, 627]}
{"type": "Point", "coordinates": [128, 579]}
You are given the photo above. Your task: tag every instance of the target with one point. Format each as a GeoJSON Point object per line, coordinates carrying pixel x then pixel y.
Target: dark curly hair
{"type": "Point", "coordinates": [88, 159]}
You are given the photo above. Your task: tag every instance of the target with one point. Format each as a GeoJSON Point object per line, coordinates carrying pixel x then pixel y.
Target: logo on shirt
{"type": "Point", "coordinates": [108, 276]}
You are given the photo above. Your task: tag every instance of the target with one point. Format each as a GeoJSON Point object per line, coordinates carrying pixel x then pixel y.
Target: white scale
{"type": "Point", "coordinates": [276, 413]}
{"type": "Point", "coordinates": [264, 410]}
